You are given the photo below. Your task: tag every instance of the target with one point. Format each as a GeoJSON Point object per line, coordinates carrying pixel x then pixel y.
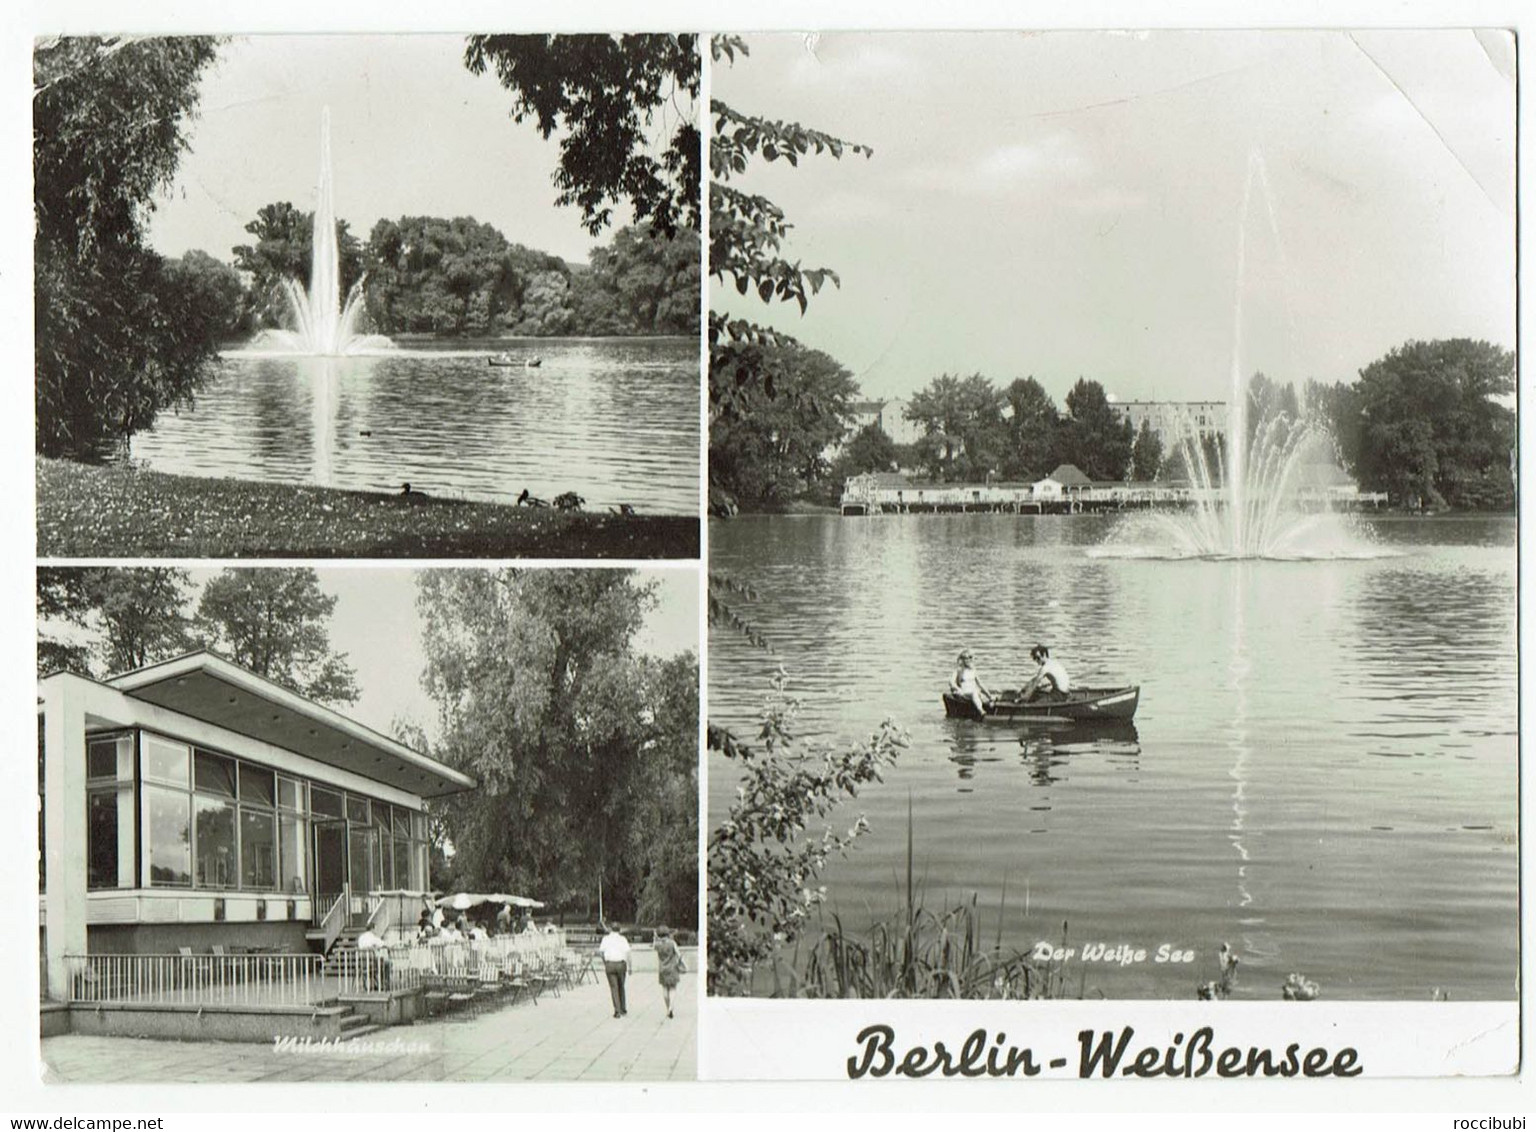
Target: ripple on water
{"type": "Point", "coordinates": [1324, 764]}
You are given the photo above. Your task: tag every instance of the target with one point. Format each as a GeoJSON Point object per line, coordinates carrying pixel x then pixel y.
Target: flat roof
{"type": "Point", "coordinates": [206, 686]}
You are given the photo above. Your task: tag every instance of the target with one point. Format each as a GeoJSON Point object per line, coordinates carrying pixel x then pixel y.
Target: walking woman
{"type": "Point", "coordinates": [669, 965]}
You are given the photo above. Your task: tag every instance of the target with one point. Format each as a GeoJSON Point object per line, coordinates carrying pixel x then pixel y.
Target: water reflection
{"type": "Point", "coordinates": [615, 421]}
{"type": "Point", "coordinates": [1249, 802]}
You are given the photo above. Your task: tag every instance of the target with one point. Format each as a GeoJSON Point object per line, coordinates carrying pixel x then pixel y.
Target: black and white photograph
{"type": "Point", "coordinates": [367, 296]}
{"type": "Point", "coordinates": [1113, 551]}
{"type": "Point", "coordinates": [367, 824]}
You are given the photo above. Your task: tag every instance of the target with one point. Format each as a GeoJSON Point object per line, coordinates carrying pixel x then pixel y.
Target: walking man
{"type": "Point", "coordinates": [615, 952]}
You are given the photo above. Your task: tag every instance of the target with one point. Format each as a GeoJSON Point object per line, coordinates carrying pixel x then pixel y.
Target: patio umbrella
{"type": "Point", "coordinates": [463, 901]}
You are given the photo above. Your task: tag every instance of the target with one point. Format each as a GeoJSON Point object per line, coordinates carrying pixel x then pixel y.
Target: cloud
{"type": "Point", "coordinates": [1053, 159]}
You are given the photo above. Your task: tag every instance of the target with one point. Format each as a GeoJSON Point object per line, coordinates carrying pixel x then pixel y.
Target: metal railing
{"type": "Point", "coordinates": [198, 980]}
{"type": "Point", "coordinates": [336, 915]}
{"type": "Point", "coordinates": [455, 964]}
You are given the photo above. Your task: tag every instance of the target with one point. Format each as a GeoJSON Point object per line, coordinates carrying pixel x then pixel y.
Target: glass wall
{"type": "Point", "coordinates": [109, 820]}
{"type": "Point", "coordinates": [215, 822]}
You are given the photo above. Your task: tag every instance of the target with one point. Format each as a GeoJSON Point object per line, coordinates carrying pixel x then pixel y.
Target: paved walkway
{"type": "Point", "coordinates": [573, 1037]}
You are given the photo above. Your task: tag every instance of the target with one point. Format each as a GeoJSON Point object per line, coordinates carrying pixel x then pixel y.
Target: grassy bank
{"type": "Point", "coordinates": [116, 512]}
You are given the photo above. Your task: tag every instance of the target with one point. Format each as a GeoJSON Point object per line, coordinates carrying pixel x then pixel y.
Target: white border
{"type": "Point", "coordinates": [251, 1106]}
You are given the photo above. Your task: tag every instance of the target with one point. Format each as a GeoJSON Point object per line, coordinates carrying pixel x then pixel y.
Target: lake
{"type": "Point", "coordinates": [1322, 771]}
{"type": "Point", "coordinates": [615, 420]}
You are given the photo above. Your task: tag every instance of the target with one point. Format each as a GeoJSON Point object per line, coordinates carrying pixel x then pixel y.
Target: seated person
{"type": "Point", "coordinates": [1050, 678]}
{"type": "Point", "coordinates": [373, 953]}
{"type": "Point", "coordinates": [966, 683]}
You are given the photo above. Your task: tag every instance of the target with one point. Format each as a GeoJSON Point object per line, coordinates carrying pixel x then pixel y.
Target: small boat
{"type": "Point", "coordinates": [509, 360]}
{"type": "Point", "coordinates": [1079, 704]}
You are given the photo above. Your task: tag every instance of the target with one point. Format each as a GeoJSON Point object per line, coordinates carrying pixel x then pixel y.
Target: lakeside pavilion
{"type": "Point", "coordinates": [193, 805]}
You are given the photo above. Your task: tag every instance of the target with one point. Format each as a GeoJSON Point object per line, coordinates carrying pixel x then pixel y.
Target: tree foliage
{"type": "Point", "coordinates": [218, 307]}
{"type": "Point", "coordinates": [608, 96]}
{"type": "Point", "coordinates": [962, 423]}
{"type": "Point", "coordinates": [284, 250]}
{"type": "Point", "coordinates": [1093, 436]}
{"type": "Point", "coordinates": [586, 753]}
{"type": "Point", "coordinates": [1146, 454]}
{"type": "Point", "coordinates": [272, 621]}
{"type": "Point", "coordinates": [1425, 423]}
{"type": "Point", "coordinates": [62, 602]}
{"type": "Point", "coordinates": [770, 445]}
{"type": "Point", "coordinates": [868, 450]}
{"type": "Point", "coordinates": [1033, 423]}
{"type": "Point", "coordinates": [764, 857]}
{"type": "Point", "coordinates": [112, 348]}
{"type": "Point", "coordinates": [142, 613]}
{"type": "Point", "coordinates": [746, 236]}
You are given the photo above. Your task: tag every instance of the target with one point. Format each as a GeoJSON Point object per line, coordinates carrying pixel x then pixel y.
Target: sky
{"type": "Point", "coordinates": [1067, 204]}
{"type": "Point", "coordinates": [376, 624]}
{"type": "Point", "coordinates": [412, 133]}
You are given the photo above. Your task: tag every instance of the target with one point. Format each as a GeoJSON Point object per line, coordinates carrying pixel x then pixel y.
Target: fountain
{"type": "Point", "coordinates": [1249, 502]}
{"type": "Point", "coordinates": [322, 324]}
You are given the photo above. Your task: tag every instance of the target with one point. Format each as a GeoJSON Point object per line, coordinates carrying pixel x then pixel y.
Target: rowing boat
{"type": "Point", "coordinates": [1079, 704]}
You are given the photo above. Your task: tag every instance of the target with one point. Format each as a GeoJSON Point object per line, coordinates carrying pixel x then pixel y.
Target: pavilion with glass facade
{"type": "Point", "coordinates": [194, 804]}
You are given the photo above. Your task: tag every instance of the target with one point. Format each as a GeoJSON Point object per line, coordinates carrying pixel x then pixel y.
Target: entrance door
{"type": "Point", "coordinates": [361, 842]}
{"type": "Point", "coordinates": [330, 871]}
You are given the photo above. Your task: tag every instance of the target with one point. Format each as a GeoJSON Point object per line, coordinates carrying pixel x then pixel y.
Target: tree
{"type": "Point", "coordinates": [1432, 426]}
{"type": "Point", "coordinates": [129, 617]}
{"type": "Point", "coordinates": [283, 252]}
{"type": "Point", "coordinates": [218, 305]}
{"type": "Point", "coordinates": [869, 450]}
{"type": "Point", "coordinates": [746, 234]}
{"type": "Point", "coordinates": [429, 274]}
{"type": "Point", "coordinates": [112, 349]}
{"type": "Point", "coordinates": [1268, 401]}
{"type": "Point", "coordinates": [1033, 423]}
{"type": "Point", "coordinates": [1146, 455]}
{"type": "Point", "coordinates": [764, 860]}
{"type": "Point", "coordinates": [62, 600]}
{"type": "Point", "coordinates": [143, 615]}
{"type": "Point", "coordinates": [273, 621]}
{"type": "Point", "coordinates": [1093, 437]}
{"type": "Point", "coordinates": [771, 447]}
{"type": "Point", "coordinates": [652, 280]}
{"type": "Point", "coordinates": [1336, 408]}
{"type": "Point", "coordinates": [603, 93]}
{"type": "Point", "coordinates": [963, 428]}
{"type": "Point", "coordinates": [583, 750]}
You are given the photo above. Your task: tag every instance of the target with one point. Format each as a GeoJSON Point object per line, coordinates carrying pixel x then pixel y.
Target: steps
{"type": "Point", "coordinates": [355, 1025]}
{"type": "Point", "coordinates": [342, 959]}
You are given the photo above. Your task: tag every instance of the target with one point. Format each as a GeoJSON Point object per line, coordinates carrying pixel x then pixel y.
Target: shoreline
{"type": "Point", "coordinates": [91, 511]}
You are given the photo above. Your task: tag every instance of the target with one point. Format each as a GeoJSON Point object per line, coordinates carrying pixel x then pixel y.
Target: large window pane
{"type": "Point", "coordinates": [360, 858]}
{"type": "Point", "coordinates": [215, 774]}
{"type": "Point", "coordinates": [402, 863]}
{"type": "Point", "coordinates": [256, 787]}
{"type": "Point", "coordinates": [290, 794]}
{"type": "Point", "coordinates": [402, 822]}
{"type": "Point", "coordinates": [169, 843]}
{"type": "Point", "coordinates": [258, 849]}
{"type": "Point", "coordinates": [326, 803]}
{"type": "Point", "coordinates": [101, 758]}
{"type": "Point", "coordinates": [216, 855]}
{"type": "Point", "coordinates": [293, 853]}
{"type": "Point", "coordinates": [357, 809]}
{"type": "Point", "coordinates": [165, 760]}
{"type": "Point", "coordinates": [101, 837]}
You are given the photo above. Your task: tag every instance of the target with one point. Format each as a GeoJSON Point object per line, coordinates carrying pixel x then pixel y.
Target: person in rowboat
{"type": "Point", "coordinates": [966, 683]}
{"type": "Point", "coordinates": [1050, 677]}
